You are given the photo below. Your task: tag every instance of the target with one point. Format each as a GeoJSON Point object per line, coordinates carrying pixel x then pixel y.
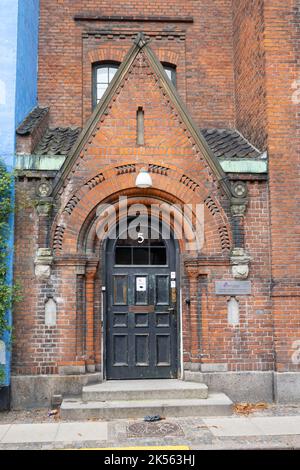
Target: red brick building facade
{"type": "Point", "coordinates": [224, 136]}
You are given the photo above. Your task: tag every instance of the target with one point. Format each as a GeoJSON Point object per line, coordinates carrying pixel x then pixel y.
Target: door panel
{"type": "Point", "coordinates": [141, 339]}
{"type": "Point", "coordinates": [120, 349]}
{"type": "Point", "coordinates": [163, 349]}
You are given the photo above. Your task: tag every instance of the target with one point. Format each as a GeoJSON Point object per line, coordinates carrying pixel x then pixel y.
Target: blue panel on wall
{"type": "Point", "coordinates": [27, 58]}
{"type": "Point", "coordinates": [8, 57]}
{"type": "Point", "coordinates": [19, 21]}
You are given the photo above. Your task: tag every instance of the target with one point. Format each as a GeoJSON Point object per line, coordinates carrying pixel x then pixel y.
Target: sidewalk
{"type": "Point", "coordinates": [236, 432]}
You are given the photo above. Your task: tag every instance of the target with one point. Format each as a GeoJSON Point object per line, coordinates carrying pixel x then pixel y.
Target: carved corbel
{"type": "Point", "coordinates": [43, 262]}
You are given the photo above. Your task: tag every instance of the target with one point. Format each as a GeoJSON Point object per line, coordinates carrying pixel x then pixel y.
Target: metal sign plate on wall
{"type": "Point", "coordinates": [233, 287]}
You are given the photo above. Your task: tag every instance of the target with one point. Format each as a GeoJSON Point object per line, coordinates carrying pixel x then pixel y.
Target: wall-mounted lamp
{"type": "Point", "coordinates": [143, 179]}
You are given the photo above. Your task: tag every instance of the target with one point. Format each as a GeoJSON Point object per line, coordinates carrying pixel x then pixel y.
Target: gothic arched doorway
{"type": "Point", "coordinates": [142, 307]}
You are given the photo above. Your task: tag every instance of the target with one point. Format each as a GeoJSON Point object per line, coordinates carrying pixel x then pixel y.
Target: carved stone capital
{"type": "Point", "coordinates": [192, 272]}
{"type": "Point", "coordinates": [91, 269]}
{"type": "Point", "coordinates": [240, 261]}
{"type": "Point", "coordinates": [43, 262]}
{"type": "Point", "coordinates": [239, 256]}
{"type": "Point", "coordinates": [44, 206]}
{"type": "Point", "coordinates": [238, 207]}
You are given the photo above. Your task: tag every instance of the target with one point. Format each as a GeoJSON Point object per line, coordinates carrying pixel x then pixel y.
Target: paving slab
{"type": "Point", "coordinates": [260, 426]}
{"type": "Point", "coordinates": [30, 433]}
{"type": "Point", "coordinates": [70, 432]}
{"type": "Point", "coordinates": [284, 425]}
{"type": "Point", "coordinates": [221, 427]}
{"type": "Point", "coordinates": [3, 430]}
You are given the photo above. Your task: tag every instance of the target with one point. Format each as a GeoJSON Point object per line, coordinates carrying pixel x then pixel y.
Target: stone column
{"type": "Point", "coordinates": [44, 208]}
{"type": "Point", "coordinates": [238, 209]}
{"type": "Point", "coordinates": [44, 204]}
{"type": "Point", "coordinates": [89, 296]}
{"type": "Point", "coordinates": [239, 258]}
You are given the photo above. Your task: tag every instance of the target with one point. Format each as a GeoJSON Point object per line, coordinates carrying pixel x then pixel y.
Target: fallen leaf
{"type": "Point", "coordinates": [206, 427]}
{"type": "Point", "coordinates": [247, 408]}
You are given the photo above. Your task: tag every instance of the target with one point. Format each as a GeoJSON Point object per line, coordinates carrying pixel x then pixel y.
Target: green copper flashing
{"type": "Point", "coordinates": [39, 162]}
{"type": "Point", "coordinates": [244, 166]}
{"type": "Point", "coordinates": [55, 162]}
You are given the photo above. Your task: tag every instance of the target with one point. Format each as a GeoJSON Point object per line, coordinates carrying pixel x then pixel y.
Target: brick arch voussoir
{"type": "Point", "coordinates": [168, 56]}
{"type": "Point", "coordinates": [112, 180]}
{"type": "Point", "coordinates": [106, 54]}
{"type": "Point", "coordinates": [89, 239]}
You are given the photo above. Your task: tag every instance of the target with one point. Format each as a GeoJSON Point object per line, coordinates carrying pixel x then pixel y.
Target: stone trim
{"type": "Point", "coordinates": [135, 19]}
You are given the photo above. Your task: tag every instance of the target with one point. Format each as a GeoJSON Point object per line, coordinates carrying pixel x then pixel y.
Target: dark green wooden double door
{"type": "Point", "coordinates": [141, 339]}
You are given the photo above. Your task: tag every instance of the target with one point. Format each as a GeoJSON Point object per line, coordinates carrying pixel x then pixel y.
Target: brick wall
{"type": "Point", "coordinates": [185, 177]}
{"type": "Point", "coordinates": [204, 57]}
{"type": "Point", "coordinates": [26, 342]}
{"type": "Point", "coordinates": [249, 70]}
{"type": "Point", "coordinates": [282, 42]}
{"type": "Point", "coordinates": [235, 66]}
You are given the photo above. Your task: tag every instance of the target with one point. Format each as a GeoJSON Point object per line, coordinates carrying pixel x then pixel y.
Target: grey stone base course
{"type": "Point", "coordinates": [36, 391]}
{"type": "Point", "coordinates": [239, 386]}
{"type": "Point", "coordinates": [72, 370]}
{"type": "Point", "coordinates": [287, 387]}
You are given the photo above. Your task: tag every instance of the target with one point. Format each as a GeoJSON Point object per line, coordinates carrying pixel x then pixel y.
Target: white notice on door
{"type": "Point", "coordinates": [141, 284]}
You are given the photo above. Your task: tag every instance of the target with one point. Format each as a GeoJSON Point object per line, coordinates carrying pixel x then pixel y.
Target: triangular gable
{"type": "Point", "coordinates": [101, 109]}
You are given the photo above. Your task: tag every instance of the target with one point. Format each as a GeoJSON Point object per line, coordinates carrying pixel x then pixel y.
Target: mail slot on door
{"type": "Point", "coordinates": [141, 309]}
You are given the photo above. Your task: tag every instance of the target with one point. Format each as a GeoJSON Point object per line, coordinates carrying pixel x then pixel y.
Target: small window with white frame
{"type": "Point", "coordinates": [102, 76]}
{"type": "Point", "coordinates": [104, 73]}
{"type": "Point", "coordinates": [170, 71]}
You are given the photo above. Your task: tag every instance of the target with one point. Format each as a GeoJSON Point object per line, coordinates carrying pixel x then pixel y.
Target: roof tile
{"type": "Point", "coordinates": [58, 141]}
{"type": "Point", "coordinates": [229, 144]}
{"type": "Point", "coordinates": [31, 121]}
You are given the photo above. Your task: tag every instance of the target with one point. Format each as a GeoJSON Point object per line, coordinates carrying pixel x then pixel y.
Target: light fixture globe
{"type": "Point", "coordinates": [143, 179]}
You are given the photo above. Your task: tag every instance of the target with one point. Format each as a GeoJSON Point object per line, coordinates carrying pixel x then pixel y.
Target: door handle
{"type": "Point", "coordinates": [171, 309]}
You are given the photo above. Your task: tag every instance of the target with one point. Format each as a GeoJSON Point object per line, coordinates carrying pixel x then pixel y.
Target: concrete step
{"type": "Point", "coordinates": [217, 404]}
{"type": "Point", "coordinates": [143, 390]}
